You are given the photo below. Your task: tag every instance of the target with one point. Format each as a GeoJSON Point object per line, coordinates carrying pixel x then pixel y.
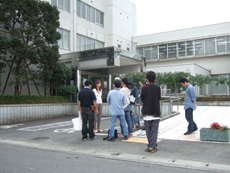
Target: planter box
{"type": "Point", "coordinates": [207, 134]}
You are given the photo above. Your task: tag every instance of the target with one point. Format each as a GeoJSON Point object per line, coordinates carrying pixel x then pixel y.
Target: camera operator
{"type": "Point", "coordinates": [134, 101]}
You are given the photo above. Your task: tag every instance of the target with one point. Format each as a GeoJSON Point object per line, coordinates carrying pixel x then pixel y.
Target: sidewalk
{"type": "Point", "coordinates": [175, 127]}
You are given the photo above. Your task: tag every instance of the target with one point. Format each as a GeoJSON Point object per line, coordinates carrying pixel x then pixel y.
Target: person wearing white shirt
{"type": "Point", "coordinates": [97, 117]}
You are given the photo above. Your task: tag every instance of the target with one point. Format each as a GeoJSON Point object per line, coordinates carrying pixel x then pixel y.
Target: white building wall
{"type": "Point", "coordinates": [184, 34]}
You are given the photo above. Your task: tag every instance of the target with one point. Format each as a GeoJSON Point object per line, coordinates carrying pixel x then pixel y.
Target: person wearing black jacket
{"type": "Point", "coordinates": [150, 96]}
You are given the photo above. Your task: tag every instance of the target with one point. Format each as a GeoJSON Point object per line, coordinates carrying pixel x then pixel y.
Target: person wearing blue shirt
{"type": "Point", "coordinates": [117, 100]}
{"type": "Point", "coordinates": [189, 105]}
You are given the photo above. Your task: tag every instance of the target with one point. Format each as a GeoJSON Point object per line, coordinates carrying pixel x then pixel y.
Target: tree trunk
{"type": "Point", "coordinates": [8, 76]}
{"type": "Point", "coordinates": [34, 81]}
{"type": "Point", "coordinates": [16, 90]}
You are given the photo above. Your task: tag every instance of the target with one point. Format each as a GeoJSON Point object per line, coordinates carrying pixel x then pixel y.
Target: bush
{"type": "Point", "coordinates": [67, 90]}
{"type": "Point", "coordinates": [26, 99]}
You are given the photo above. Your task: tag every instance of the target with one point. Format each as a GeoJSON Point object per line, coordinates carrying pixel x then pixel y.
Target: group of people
{"type": "Point", "coordinates": [121, 106]}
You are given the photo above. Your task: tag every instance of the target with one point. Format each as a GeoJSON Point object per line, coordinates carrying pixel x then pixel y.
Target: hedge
{"type": "Point", "coordinates": [26, 99]}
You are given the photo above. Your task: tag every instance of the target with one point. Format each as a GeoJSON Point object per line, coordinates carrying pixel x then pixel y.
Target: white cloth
{"type": "Point", "coordinates": [98, 95]}
{"type": "Point", "coordinates": [127, 92]}
{"type": "Point", "coordinates": [150, 118]}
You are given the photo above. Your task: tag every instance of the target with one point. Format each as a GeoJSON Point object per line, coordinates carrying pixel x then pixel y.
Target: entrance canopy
{"type": "Point", "coordinates": [115, 60]}
{"type": "Point", "coordinates": [103, 62]}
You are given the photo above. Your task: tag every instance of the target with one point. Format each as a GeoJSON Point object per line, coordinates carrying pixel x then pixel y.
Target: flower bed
{"type": "Point", "coordinates": [216, 132]}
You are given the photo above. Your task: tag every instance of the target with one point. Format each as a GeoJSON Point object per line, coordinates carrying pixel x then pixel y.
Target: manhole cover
{"type": "Point", "coordinates": [39, 138]}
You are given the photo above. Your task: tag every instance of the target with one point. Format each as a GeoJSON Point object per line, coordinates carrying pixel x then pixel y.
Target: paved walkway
{"type": "Point", "coordinates": [175, 127]}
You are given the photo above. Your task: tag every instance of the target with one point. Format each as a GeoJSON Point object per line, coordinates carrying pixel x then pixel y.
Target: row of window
{"type": "Point", "coordinates": [187, 48]}
{"type": "Point", "coordinates": [62, 4]}
{"type": "Point", "coordinates": [83, 43]}
{"type": "Point", "coordinates": [83, 10]}
{"type": "Point", "coordinates": [90, 13]}
{"type": "Point", "coordinates": [86, 43]}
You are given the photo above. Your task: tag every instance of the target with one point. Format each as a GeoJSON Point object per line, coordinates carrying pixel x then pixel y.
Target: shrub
{"type": "Point", "coordinates": [26, 99]}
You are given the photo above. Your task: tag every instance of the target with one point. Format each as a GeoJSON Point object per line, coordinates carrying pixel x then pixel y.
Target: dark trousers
{"type": "Point", "coordinates": [189, 117]}
{"type": "Point", "coordinates": [87, 116]}
{"type": "Point", "coordinates": [151, 128]}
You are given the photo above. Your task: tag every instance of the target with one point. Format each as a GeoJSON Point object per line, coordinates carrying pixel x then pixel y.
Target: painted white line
{"type": "Point", "coordinates": [47, 126]}
{"type": "Point", "coordinates": [10, 126]}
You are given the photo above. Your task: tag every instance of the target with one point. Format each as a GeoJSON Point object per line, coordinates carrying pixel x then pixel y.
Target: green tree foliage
{"type": "Point", "coordinates": [30, 38]}
{"type": "Point", "coordinates": [67, 90]}
{"type": "Point", "coordinates": [61, 73]}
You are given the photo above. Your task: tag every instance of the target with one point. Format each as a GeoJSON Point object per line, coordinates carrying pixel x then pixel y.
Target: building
{"type": "Point", "coordinates": [98, 40]}
{"type": "Point", "coordinates": [201, 50]}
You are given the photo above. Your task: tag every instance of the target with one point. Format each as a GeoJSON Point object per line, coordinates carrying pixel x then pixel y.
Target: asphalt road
{"type": "Point", "coordinates": [16, 159]}
{"type": "Point", "coordinates": [56, 138]}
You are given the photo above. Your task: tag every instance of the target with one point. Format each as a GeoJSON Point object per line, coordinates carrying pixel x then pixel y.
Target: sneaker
{"type": "Point", "coordinates": [126, 137]}
{"type": "Point", "coordinates": [153, 150]}
{"type": "Point", "coordinates": [120, 135]}
{"type": "Point", "coordinates": [130, 134]}
{"type": "Point", "coordinates": [84, 139]}
{"type": "Point", "coordinates": [147, 149]}
{"type": "Point", "coordinates": [91, 139]}
{"type": "Point", "coordinates": [187, 133]}
{"type": "Point", "coordinates": [111, 139]}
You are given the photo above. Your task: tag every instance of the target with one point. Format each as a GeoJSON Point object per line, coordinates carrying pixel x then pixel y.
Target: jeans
{"type": "Point", "coordinates": [133, 113]}
{"type": "Point", "coordinates": [87, 116]}
{"type": "Point", "coordinates": [189, 117]}
{"type": "Point", "coordinates": [128, 119]}
{"type": "Point", "coordinates": [122, 123]}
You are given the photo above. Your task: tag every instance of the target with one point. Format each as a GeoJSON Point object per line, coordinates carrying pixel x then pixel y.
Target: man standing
{"type": "Point", "coordinates": [116, 100]}
{"type": "Point", "coordinates": [189, 105]}
{"type": "Point", "coordinates": [150, 95]}
{"type": "Point", "coordinates": [87, 99]}
{"type": "Point", "coordinates": [126, 91]}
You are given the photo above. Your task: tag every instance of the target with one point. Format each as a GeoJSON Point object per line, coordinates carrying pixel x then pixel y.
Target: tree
{"type": "Point", "coordinates": [30, 38]}
{"type": "Point", "coordinates": [61, 73]}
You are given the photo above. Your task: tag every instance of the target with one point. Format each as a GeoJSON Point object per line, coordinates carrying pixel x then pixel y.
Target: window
{"type": "Point", "coordinates": [90, 13]}
{"type": "Point", "coordinates": [147, 52]}
{"type": "Point", "coordinates": [140, 50]}
{"type": "Point", "coordinates": [190, 48]}
{"type": "Point", "coordinates": [62, 4]}
{"type": "Point", "coordinates": [199, 47]}
{"type": "Point", "coordinates": [79, 8]}
{"type": "Point", "coordinates": [210, 46]}
{"type": "Point", "coordinates": [220, 41]}
{"type": "Point", "coordinates": [163, 51]}
{"type": "Point", "coordinates": [228, 43]}
{"type": "Point", "coordinates": [64, 42]}
{"type": "Point", "coordinates": [78, 42]}
{"type": "Point", "coordinates": [172, 50]}
{"type": "Point", "coordinates": [154, 52]}
{"type": "Point", "coordinates": [83, 5]}
{"type": "Point", "coordinates": [86, 43]}
{"type": "Point", "coordinates": [93, 15]}
{"type": "Point", "coordinates": [181, 49]}
{"type": "Point", "coordinates": [97, 16]}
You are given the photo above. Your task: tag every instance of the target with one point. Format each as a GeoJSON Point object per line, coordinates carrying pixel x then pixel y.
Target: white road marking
{"type": "Point", "coordinates": [10, 126]}
{"type": "Point", "coordinates": [47, 126]}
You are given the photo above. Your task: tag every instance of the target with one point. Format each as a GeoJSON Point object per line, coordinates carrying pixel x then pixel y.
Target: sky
{"type": "Point", "coordinates": [154, 16]}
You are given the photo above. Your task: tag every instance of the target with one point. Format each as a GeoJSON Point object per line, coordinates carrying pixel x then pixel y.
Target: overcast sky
{"type": "Point", "coordinates": [154, 16]}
